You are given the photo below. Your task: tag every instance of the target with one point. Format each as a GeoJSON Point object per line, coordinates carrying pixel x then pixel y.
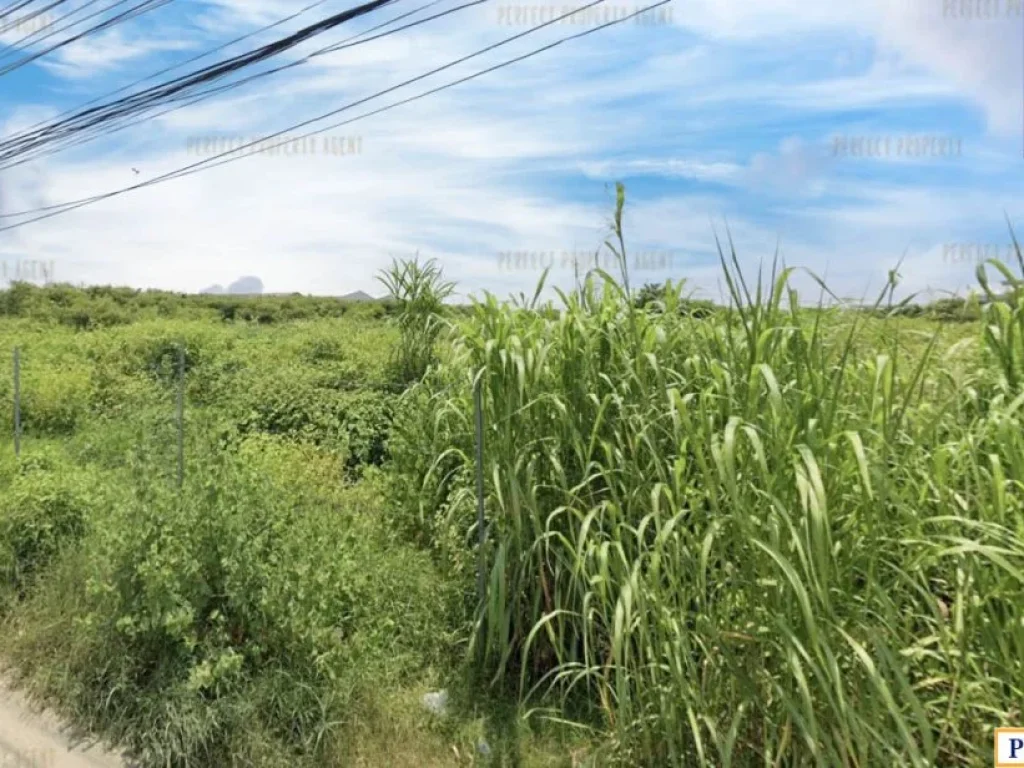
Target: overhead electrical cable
{"type": "Point", "coordinates": [202, 55]}
{"type": "Point", "coordinates": [223, 158]}
{"type": "Point", "coordinates": [28, 131]}
{"type": "Point", "coordinates": [10, 158]}
{"type": "Point", "coordinates": [15, 8]}
{"type": "Point", "coordinates": [36, 35]}
{"type": "Point", "coordinates": [147, 98]}
{"type": "Point", "coordinates": [22, 21]}
{"type": "Point", "coordinates": [133, 12]}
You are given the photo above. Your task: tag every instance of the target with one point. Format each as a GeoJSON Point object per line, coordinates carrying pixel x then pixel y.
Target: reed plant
{"type": "Point", "coordinates": [782, 535]}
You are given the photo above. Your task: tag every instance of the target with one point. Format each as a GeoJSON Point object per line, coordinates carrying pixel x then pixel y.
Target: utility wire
{"type": "Point", "coordinates": [25, 42]}
{"type": "Point", "coordinates": [148, 98]}
{"type": "Point", "coordinates": [131, 13]}
{"type": "Point", "coordinates": [223, 158]}
{"type": "Point", "coordinates": [20, 154]}
{"type": "Point", "coordinates": [165, 70]}
{"type": "Point", "coordinates": [33, 37]}
{"type": "Point", "coordinates": [337, 47]}
{"type": "Point", "coordinates": [344, 43]}
{"type": "Point", "coordinates": [214, 90]}
{"type": "Point", "coordinates": [304, 123]}
{"type": "Point", "coordinates": [34, 15]}
{"type": "Point", "coordinates": [15, 8]}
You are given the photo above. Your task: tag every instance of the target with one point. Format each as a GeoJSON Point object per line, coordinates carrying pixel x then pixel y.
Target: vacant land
{"type": "Point", "coordinates": [762, 535]}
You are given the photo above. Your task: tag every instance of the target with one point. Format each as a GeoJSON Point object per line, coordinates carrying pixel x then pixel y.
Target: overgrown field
{"type": "Point", "coordinates": [769, 534]}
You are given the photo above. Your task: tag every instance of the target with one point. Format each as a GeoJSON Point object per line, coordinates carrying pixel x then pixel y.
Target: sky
{"type": "Point", "coordinates": [840, 138]}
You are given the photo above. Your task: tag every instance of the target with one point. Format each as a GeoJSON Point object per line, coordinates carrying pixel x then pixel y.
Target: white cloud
{"type": "Point", "coordinates": [512, 161]}
{"type": "Point", "coordinates": [93, 55]}
{"type": "Point", "coordinates": [977, 58]}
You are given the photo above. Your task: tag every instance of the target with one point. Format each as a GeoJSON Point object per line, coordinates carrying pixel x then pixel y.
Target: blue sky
{"type": "Point", "coordinates": [721, 115]}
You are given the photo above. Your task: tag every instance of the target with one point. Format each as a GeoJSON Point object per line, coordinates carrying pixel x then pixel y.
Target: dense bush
{"type": "Point", "coordinates": [266, 615]}
{"type": "Point", "coordinates": [54, 399]}
{"type": "Point", "coordinates": [262, 599]}
{"type": "Point", "coordinates": [655, 296]}
{"type": "Point", "coordinates": [297, 403]}
{"type": "Point", "coordinates": [42, 512]}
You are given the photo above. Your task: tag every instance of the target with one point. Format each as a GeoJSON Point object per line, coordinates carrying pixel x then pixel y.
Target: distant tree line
{"type": "Point", "coordinates": [103, 306]}
{"type": "Point", "coordinates": [953, 309]}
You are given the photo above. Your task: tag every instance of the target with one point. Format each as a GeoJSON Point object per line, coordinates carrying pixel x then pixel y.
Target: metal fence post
{"type": "Point", "coordinates": [181, 415]}
{"type": "Point", "coordinates": [17, 401]}
{"type": "Point", "coordinates": [479, 408]}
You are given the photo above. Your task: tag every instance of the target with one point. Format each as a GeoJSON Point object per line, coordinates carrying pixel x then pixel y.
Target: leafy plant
{"type": "Point", "coordinates": [766, 539]}
{"type": "Point", "coordinates": [418, 292]}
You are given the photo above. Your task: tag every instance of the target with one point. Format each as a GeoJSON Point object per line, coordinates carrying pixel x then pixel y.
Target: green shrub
{"type": "Point", "coordinates": [41, 513]}
{"type": "Point", "coordinates": [263, 605]}
{"type": "Point", "coordinates": [302, 404]}
{"type": "Point", "coordinates": [417, 292]}
{"type": "Point", "coordinates": [54, 397]}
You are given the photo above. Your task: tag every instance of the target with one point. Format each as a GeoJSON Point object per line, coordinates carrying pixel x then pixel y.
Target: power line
{"type": "Point", "coordinates": [21, 154]}
{"type": "Point", "coordinates": [337, 47]}
{"type": "Point", "coordinates": [165, 70]}
{"type": "Point", "coordinates": [222, 158]}
{"type": "Point", "coordinates": [212, 91]}
{"type": "Point", "coordinates": [148, 98]}
{"type": "Point", "coordinates": [34, 15]}
{"type": "Point", "coordinates": [131, 13]}
{"type": "Point", "coordinates": [15, 8]}
{"type": "Point", "coordinates": [346, 44]}
{"type": "Point", "coordinates": [210, 161]}
{"type": "Point", "coordinates": [26, 42]}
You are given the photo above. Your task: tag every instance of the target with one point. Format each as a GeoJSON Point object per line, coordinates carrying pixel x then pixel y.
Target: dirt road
{"type": "Point", "coordinates": [29, 739]}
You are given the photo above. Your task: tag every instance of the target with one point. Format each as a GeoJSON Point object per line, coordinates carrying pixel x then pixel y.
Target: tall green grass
{"type": "Point", "coordinates": [418, 292]}
{"type": "Point", "coordinates": [777, 536]}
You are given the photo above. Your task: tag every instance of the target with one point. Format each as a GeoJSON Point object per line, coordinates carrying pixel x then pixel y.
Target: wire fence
{"type": "Point", "coordinates": [180, 375]}
{"type": "Point", "coordinates": [17, 401]}
{"type": "Point", "coordinates": [478, 406]}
